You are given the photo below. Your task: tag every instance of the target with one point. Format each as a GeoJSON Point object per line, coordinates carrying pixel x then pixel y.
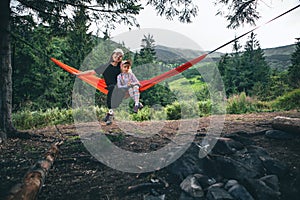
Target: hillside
{"type": "Point", "coordinates": [277, 58]}
{"type": "Point", "coordinates": [173, 55]}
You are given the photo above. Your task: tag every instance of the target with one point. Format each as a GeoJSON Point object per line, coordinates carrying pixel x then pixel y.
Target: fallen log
{"type": "Point", "coordinates": [35, 177]}
{"type": "Point", "coordinates": [286, 124]}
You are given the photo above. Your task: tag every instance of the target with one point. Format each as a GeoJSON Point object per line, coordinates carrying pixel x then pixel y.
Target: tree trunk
{"type": "Point", "coordinates": [6, 125]}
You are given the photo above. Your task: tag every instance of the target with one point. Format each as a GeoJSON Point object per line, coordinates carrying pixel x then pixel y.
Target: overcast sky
{"type": "Point", "coordinates": [208, 31]}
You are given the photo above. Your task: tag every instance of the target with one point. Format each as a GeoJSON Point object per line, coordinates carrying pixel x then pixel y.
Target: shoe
{"type": "Point", "coordinates": [140, 106]}
{"type": "Point", "coordinates": [136, 108]}
{"type": "Point", "coordinates": [109, 118]}
{"type": "Point", "coordinates": [108, 122]}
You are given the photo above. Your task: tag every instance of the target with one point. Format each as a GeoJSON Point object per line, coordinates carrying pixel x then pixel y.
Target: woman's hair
{"type": "Point", "coordinates": [115, 51]}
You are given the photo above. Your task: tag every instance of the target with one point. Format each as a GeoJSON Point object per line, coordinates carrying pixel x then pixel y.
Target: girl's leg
{"type": "Point", "coordinates": [136, 94]}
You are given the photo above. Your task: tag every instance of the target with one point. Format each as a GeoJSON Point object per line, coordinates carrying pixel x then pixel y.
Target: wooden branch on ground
{"type": "Point", "coordinates": [144, 186]}
{"type": "Point", "coordinates": [35, 177]}
{"type": "Point", "coordinates": [286, 124]}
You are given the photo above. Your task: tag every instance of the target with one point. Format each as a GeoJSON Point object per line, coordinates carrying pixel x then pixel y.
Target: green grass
{"type": "Point", "coordinates": [185, 88]}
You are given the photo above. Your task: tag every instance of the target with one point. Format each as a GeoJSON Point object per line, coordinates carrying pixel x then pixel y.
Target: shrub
{"type": "Point", "coordinates": [288, 101]}
{"type": "Point", "coordinates": [181, 110]}
{"type": "Point", "coordinates": [27, 119]}
{"type": "Point", "coordinates": [239, 104]}
{"type": "Point", "coordinates": [204, 108]}
{"type": "Point", "coordinates": [173, 111]}
{"type": "Point", "coordinates": [142, 115]}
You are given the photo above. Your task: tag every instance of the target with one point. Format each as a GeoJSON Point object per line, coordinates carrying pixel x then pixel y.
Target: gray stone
{"type": "Point", "coordinates": [276, 167]}
{"type": "Point", "coordinates": [216, 185]}
{"type": "Point", "coordinates": [224, 146]}
{"type": "Point", "coordinates": [271, 181]}
{"type": "Point", "coordinates": [217, 193]}
{"type": "Point", "coordinates": [287, 124]}
{"type": "Point", "coordinates": [240, 192]}
{"type": "Point", "coordinates": [250, 160]}
{"type": "Point", "coordinates": [230, 183]}
{"type": "Point", "coordinates": [185, 196]}
{"type": "Point", "coordinates": [260, 190]}
{"type": "Point", "coordinates": [204, 180]}
{"type": "Point", "coordinates": [152, 197]}
{"type": "Point", "coordinates": [232, 169]}
{"type": "Point", "coordinates": [241, 138]}
{"type": "Point", "coordinates": [188, 164]}
{"type": "Point", "coordinates": [280, 135]}
{"type": "Point", "coordinates": [191, 186]}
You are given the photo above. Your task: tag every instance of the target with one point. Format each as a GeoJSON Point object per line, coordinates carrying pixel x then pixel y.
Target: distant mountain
{"type": "Point", "coordinates": [175, 55]}
{"type": "Point", "coordinates": [277, 58]}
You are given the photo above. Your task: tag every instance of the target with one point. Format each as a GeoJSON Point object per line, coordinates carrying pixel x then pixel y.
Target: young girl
{"type": "Point", "coordinates": [127, 80]}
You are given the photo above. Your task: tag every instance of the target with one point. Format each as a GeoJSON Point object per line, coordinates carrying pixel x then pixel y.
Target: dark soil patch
{"type": "Point", "coordinates": [76, 174]}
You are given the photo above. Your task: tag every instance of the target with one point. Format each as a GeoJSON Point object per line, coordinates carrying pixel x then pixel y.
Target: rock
{"type": "Point", "coordinates": [295, 185]}
{"type": "Point", "coordinates": [232, 169]}
{"type": "Point", "coordinates": [217, 193]}
{"type": "Point", "coordinates": [286, 124]}
{"type": "Point", "coordinates": [218, 185]}
{"type": "Point", "coordinates": [209, 167]}
{"type": "Point", "coordinates": [226, 146]}
{"type": "Point", "coordinates": [152, 197]}
{"type": "Point", "coordinates": [230, 183]}
{"type": "Point", "coordinates": [251, 159]}
{"type": "Point", "coordinates": [274, 166]}
{"type": "Point", "coordinates": [240, 192]}
{"type": "Point", "coordinates": [280, 135]}
{"type": "Point", "coordinates": [272, 182]}
{"type": "Point", "coordinates": [240, 138]}
{"type": "Point", "coordinates": [261, 152]}
{"type": "Point", "coordinates": [185, 196]}
{"type": "Point", "coordinates": [188, 164]}
{"type": "Point", "coordinates": [204, 180]}
{"type": "Point", "coordinates": [191, 186]}
{"type": "Point", "coordinates": [260, 190]}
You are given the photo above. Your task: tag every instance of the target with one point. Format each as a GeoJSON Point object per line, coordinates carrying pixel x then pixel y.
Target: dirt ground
{"type": "Point", "coordinates": [76, 174]}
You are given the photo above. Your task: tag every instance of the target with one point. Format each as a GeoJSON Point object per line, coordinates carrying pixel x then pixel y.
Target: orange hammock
{"type": "Point", "coordinates": [99, 83]}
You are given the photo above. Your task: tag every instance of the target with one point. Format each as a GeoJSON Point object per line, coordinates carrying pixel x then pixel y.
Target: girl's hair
{"type": "Point", "coordinates": [126, 62]}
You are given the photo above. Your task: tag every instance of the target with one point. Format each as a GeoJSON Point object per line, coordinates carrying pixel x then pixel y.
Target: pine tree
{"type": "Point", "coordinates": [147, 68]}
{"type": "Point", "coordinates": [256, 71]}
{"type": "Point", "coordinates": [229, 67]}
{"type": "Point", "coordinates": [294, 69]}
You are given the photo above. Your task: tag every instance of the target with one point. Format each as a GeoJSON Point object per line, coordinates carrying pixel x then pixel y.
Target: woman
{"type": "Point", "coordinates": [110, 71]}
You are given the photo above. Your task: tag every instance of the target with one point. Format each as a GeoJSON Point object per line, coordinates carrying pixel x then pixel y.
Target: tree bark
{"type": "Point", "coordinates": [35, 177]}
{"type": "Point", "coordinates": [6, 125]}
